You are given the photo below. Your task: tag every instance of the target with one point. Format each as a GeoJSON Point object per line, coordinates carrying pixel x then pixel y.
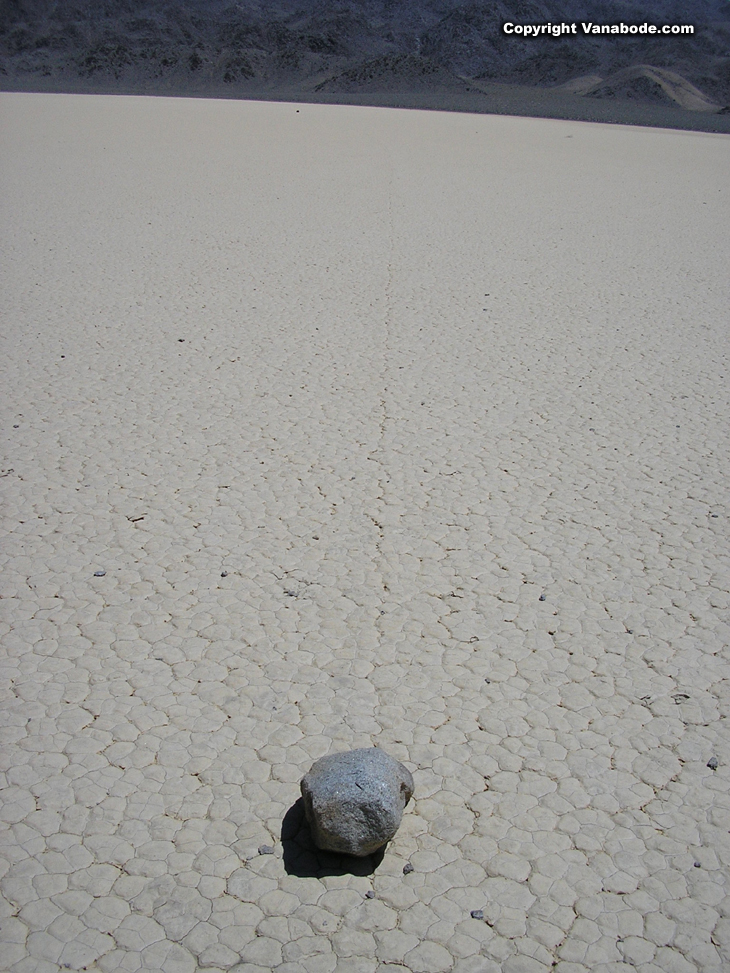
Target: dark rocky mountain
{"type": "Point", "coordinates": [368, 49]}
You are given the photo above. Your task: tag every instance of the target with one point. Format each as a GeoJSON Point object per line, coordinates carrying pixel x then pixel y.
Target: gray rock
{"type": "Point", "coordinates": [354, 801]}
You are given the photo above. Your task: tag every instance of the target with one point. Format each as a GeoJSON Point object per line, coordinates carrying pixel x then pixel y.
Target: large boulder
{"type": "Point", "coordinates": [354, 801]}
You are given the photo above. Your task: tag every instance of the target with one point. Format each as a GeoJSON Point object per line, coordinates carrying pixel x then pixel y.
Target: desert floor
{"type": "Point", "coordinates": [327, 427]}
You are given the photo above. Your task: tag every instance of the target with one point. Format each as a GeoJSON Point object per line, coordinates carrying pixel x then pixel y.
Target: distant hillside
{"type": "Point", "coordinates": [393, 72]}
{"type": "Point", "coordinates": [342, 46]}
{"type": "Point", "coordinates": [643, 82]}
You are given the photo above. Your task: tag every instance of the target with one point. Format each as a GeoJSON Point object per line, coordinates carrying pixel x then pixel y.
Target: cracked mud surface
{"type": "Point", "coordinates": [334, 427]}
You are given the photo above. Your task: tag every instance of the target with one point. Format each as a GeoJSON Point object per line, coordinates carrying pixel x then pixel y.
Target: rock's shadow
{"type": "Point", "coordinates": [304, 859]}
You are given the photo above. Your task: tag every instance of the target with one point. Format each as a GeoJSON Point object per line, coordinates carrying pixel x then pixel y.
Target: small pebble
{"type": "Point", "coordinates": [181, 339]}
{"type": "Point", "coordinates": [370, 894]}
{"type": "Point", "coordinates": [99, 574]}
{"type": "Point", "coordinates": [266, 850]}
{"type": "Point", "coordinates": [224, 574]}
{"type": "Point", "coordinates": [477, 913]}
{"type": "Point", "coordinates": [16, 426]}
{"type": "Point", "coordinates": [407, 868]}
{"type": "Point", "coordinates": [698, 864]}
{"type": "Point", "coordinates": [541, 598]}
{"type": "Point", "coordinates": [712, 763]}
{"type": "Point", "coordinates": [629, 631]}
{"type": "Point", "coordinates": [488, 680]}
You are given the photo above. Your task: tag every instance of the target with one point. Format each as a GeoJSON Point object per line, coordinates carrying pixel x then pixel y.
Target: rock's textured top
{"type": "Point", "coordinates": [354, 801]}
